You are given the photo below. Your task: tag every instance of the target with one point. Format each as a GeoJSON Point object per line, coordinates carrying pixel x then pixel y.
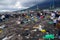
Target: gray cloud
{"type": "Point", "coordinates": [14, 4]}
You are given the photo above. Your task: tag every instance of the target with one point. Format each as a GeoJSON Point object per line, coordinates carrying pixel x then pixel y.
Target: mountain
{"type": "Point", "coordinates": [47, 4]}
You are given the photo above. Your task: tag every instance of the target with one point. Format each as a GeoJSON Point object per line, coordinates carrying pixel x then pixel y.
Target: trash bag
{"type": "Point", "coordinates": [43, 31]}
{"type": "Point", "coordinates": [48, 16]}
{"type": "Point", "coordinates": [50, 22]}
{"type": "Point", "coordinates": [6, 16]}
{"type": "Point", "coordinates": [26, 33]}
{"type": "Point", "coordinates": [35, 19]}
{"type": "Point", "coordinates": [1, 31]}
{"type": "Point", "coordinates": [1, 20]}
{"type": "Point", "coordinates": [26, 16]}
{"type": "Point", "coordinates": [34, 38]}
{"type": "Point", "coordinates": [41, 17]}
{"type": "Point", "coordinates": [58, 25]}
{"type": "Point", "coordinates": [22, 22]}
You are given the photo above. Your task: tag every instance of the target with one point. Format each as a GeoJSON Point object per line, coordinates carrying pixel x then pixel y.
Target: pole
{"type": "Point", "coordinates": [53, 4]}
{"type": "Point", "coordinates": [50, 5]}
{"type": "Point", "coordinates": [37, 7]}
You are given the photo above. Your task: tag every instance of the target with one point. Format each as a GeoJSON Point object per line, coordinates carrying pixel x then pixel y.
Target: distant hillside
{"type": "Point", "coordinates": [46, 5]}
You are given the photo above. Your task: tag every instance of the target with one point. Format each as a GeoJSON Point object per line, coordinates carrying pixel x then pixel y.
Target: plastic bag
{"type": "Point", "coordinates": [49, 36]}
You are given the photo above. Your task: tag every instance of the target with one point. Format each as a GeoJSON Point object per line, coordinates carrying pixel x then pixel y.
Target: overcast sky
{"type": "Point", "coordinates": [17, 4]}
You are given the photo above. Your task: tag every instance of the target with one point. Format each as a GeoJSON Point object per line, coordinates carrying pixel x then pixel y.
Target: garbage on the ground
{"type": "Point", "coordinates": [49, 36]}
{"type": "Point", "coordinates": [40, 27]}
{"type": "Point", "coordinates": [43, 31]}
{"type": "Point", "coordinates": [35, 19]}
{"type": "Point", "coordinates": [22, 22]}
{"type": "Point", "coordinates": [25, 21]}
{"type": "Point", "coordinates": [59, 18]}
{"type": "Point", "coordinates": [41, 13]}
{"type": "Point", "coordinates": [52, 18]}
{"type": "Point", "coordinates": [34, 30]}
{"type": "Point", "coordinates": [41, 39]}
{"type": "Point", "coordinates": [7, 16]}
{"type": "Point", "coordinates": [41, 17]}
{"type": "Point", "coordinates": [18, 22]}
{"type": "Point", "coordinates": [2, 17]}
{"type": "Point", "coordinates": [1, 20]}
{"type": "Point", "coordinates": [29, 20]}
{"type": "Point", "coordinates": [36, 27]}
{"type": "Point", "coordinates": [58, 25]}
{"type": "Point", "coordinates": [59, 37]}
{"type": "Point", "coordinates": [2, 26]}
{"type": "Point", "coordinates": [1, 31]}
{"type": "Point", "coordinates": [7, 38]}
{"type": "Point", "coordinates": [26, 33]}
{"type": "Point", "coordinates": [27, 17]}
{"type": "Point", "coordinates": [32, 18]}
{"type": "Point", "coordinates": [50, 22]}
{"type": "Point", "coordinates": [48, 16]}
{"type": "Point", "coordinates": [26, 29]}
{"type": "Point", "coordinates": [27, 37]}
